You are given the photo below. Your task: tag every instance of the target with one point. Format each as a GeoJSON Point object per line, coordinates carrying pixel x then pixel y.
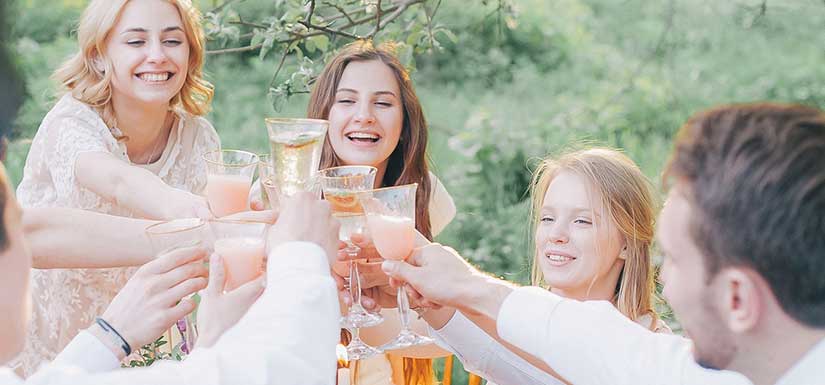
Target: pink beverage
{"type": "Point", "coordinates": [243, 259]}
{"type": "Point", "coordinates": [393, 236]}
{"type": "Point", "coordinates": [227, 194]}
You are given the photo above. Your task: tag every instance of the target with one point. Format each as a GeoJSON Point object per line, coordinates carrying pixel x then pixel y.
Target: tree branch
{"type": "Point", "coordinates": [377, 20]}
{"type": "Point", "coordinates": [308, 19]}
{"type": "Point", "coordinates": [248, 24]}
{"type": "Point", "coordinates": [235, 50]}
{"type": "Point", "coordinates": [341, 10]}
{"type": "Point", "coordinates": [222, 6]}
{"type": "Point", "coordinates": [396, 11]}
{"type": "Point", "coordinates": [328, 30]}
{"type": "Point", "coordinates": [280, 65]}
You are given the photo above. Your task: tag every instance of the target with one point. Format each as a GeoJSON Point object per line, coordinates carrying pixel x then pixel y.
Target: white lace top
{"type": "Point", "coordinates": [67, 300]}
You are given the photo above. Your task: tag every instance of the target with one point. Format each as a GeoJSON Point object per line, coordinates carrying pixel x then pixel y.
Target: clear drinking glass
{"type": "Point", "coordinates": [170, 235]}
{"type": "Point", "coordinates": [228, 179]}
{"type": "Point", "coordinates": [339, 185]}
{"type": "Point", "coordinates": [295, 150]}
{"type": "Point", "coordinates": [242, 246]}
{"type": "Point", "coordinates": [391, 220]}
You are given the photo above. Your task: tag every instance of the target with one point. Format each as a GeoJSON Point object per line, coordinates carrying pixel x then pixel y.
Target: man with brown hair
{"type": "Point", "coordinates": [743, 232]}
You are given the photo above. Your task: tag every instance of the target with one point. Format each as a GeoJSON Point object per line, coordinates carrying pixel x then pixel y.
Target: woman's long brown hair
{"type": "Point", "coordinates": [407, 163]}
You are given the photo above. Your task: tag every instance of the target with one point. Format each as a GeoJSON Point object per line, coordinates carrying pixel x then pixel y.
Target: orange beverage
{"type": "Point", "coordinates": [343, 201]}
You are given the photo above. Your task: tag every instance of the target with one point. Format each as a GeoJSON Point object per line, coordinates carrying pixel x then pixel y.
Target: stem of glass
{"type": "Point", "coordinates": [403, 309]}
{"type": "Point", "coordinates": [355, 279]}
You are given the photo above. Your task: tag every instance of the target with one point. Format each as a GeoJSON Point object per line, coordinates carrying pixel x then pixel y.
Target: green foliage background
{"type": "Point", "coordinates": [523, 79]}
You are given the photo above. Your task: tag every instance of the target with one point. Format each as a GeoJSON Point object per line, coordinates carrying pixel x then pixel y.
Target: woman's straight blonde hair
{"type": "Point", "coordinates": [88, 74]}
{"type": "Point", "coordinates": [627, 197]}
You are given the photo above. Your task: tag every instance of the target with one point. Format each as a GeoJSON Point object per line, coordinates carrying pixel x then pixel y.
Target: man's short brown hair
{"type": "Point", "coordinates": [756, 178]}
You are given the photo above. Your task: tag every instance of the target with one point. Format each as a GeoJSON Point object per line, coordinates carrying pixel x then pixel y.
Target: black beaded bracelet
{"type": "Point", "coordinates": [109, 329]}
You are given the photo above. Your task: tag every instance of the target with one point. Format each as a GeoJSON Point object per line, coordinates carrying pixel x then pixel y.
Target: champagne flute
{"type": "Point", "coordinates": [391, 220]}
{"type": "Point", "coordinates": [339, 185]}
{"type": "Point", "coordinates": [174, 234]}
{"type": "Point", "coordinates": [228, 179]}
{"type": "Point", "coordinates": [295, 150]}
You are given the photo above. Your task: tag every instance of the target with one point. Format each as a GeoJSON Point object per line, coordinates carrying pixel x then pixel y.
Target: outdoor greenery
{"type": "Point", "coordinates": [504, 83]}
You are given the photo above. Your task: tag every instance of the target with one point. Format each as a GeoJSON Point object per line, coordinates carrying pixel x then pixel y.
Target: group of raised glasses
{"type": "Point", "coordinates": [741, 231]}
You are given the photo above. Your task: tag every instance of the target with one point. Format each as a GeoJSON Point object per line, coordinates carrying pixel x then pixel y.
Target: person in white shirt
{"type": "Point", "coordinates": [742, 234]}
{"type": "Point", "coordinates": [280, 339]}
{"type": "Point", "coordinates": [593, 219]}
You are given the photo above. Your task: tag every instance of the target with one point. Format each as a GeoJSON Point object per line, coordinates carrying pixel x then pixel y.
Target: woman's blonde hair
{"type": "Point", "coordinates": [88, 74]}
{"type": "Point", "coordinates": [627, 197]}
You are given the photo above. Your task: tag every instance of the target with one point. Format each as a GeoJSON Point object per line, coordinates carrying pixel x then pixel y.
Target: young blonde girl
{"type": "Point", "coordinates": [593, 225]}
{"type": "Point", "coordinates": [125, 139]}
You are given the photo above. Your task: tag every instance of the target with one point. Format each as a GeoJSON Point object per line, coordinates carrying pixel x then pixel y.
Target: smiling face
{"type": "Point", "coordinates": [367, 116]}
{"type": "Point", "coordinates": [149, 53]}
{"type": "Point", "coordinates": [578, 245]}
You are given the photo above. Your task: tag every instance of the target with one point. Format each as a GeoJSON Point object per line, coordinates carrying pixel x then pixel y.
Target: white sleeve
{"type": "Point", "coordinates": [593, 343]}
{"type": "Point", "coordinates": [287, 337]}
{"type": "Point", "coordinates": [483, 355]}
{"type": "Point", "coordinates": [86, 352]}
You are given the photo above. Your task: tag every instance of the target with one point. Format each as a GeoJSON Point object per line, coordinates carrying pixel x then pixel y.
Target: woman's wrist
{"type": "Point", "coordinates": [438, 318]}
{"type": "Point", "coordinates": [485, 296]}
{"type": "Point", "coordinates": [107, 339]}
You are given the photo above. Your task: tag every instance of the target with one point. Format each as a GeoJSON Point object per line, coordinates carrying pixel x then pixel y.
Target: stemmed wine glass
{"type": "Point", "coordinates": [340, 184]}
{"type": "Point", "coordinates": [391, 220]}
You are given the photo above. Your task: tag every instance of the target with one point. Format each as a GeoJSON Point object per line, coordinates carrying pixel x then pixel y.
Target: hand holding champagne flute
{"type": "Point", "coordinates": [340, 184]}
{"type": "Point", "coordinates": [391, 221]}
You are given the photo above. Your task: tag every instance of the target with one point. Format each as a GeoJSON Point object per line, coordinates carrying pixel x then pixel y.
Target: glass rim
{"type": "Point", "coordinates": [403, 186]}
{"type": "Point", "coordinates": [152, 229]}
{"type": "Point", "coordinates": [254, 156]}
{"type": "Point", "coordinates": [372, 171]}
{"type": "Point", "coordinates": [237, 221]}
{"type": "Point", "coordinates": [296, 121]}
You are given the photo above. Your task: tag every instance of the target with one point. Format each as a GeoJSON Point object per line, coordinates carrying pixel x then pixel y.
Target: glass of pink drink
{"type": "Point", "coordinates": [170, 235]}
{"type": "Point", "coordinates": [339, 185]}
{"type": "Point", "coordinates": [241, 245]}
{"type": "Point", "coordinates": [228, 179]}
{"type": "Point", "coordinates": [391, 220]}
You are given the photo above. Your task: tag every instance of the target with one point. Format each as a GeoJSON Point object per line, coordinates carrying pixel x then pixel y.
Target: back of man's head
{"type": "Point", "coordinates": [756, 180]}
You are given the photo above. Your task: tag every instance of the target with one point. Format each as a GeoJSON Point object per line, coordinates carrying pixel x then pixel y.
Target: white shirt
{"type": "Point", "coordinates": [287, 337]}
{"type": "Point", "coordinates": [483, 355]}
{"type": "Point", "coordinates": [593, 343]}
{"type": "Point", "coordinates": [808, 370]}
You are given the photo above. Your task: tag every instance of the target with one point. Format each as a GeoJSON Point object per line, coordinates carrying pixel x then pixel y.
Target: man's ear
{"type": "Point", "coordinates": [741, 301]}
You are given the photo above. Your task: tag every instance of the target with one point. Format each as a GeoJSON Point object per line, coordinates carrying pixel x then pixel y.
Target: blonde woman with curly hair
{"type": "Point", "coordinates": [125, 139]}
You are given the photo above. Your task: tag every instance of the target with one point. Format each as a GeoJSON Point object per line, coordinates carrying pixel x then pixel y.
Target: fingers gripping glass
{"type": "Point", "coordinates": [391, 220]}
{"type": "Point", "coordinates": [339, 185]}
